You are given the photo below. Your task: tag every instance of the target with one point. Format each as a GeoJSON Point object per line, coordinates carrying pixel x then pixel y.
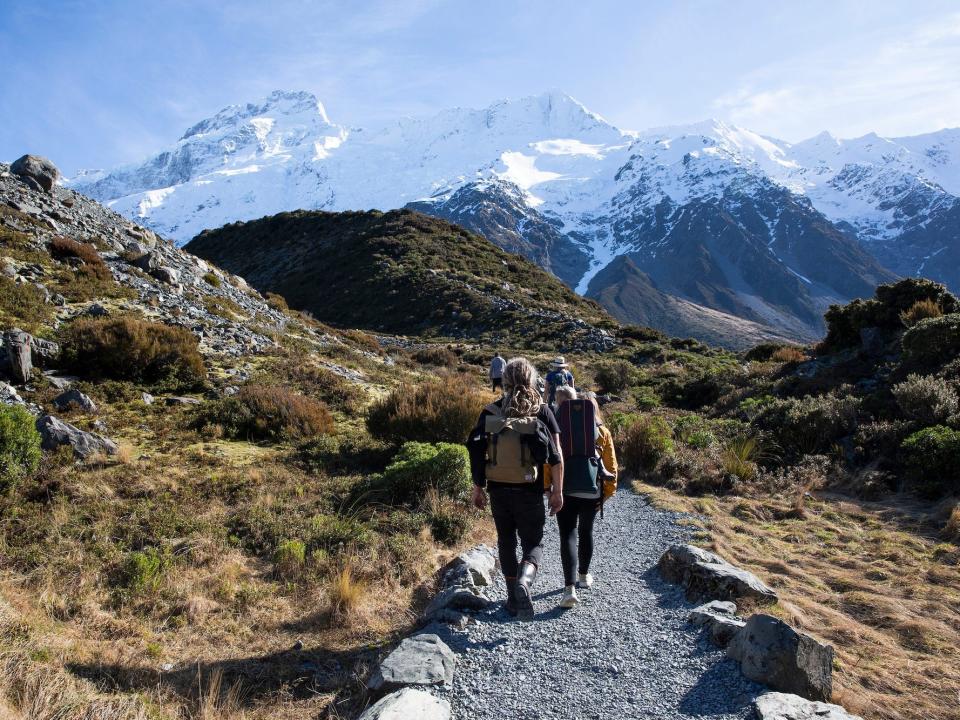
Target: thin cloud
{"type": "Point", "coordinates": [900, 86]}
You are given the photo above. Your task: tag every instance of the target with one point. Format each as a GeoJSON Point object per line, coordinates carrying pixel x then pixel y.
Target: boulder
{"type": "Point", "coordinates": [45, 352]}
{"type": "Point", "coordinates": [59, 382]}
{"type": "Point", "coordinates": [9, 395]}
{"type": "Point", "coordinates": [148, 262]}
{"type": "Point", "coordinates": [456, 598]}
{"type": "Point", "coordinates": [54, 433]}
{"type": "Point", "coordinates": [478, 562]}
{"type": "Point", "coordinates": [39, 170]}
{"type": "Point", "coordinates": [178, 400]}
{"type": "Point", "coordinates": [773, 653]}
{"type": "Point", "coordinates": [147, 398]}
{"type": "Point", "coordinates": [408, 704]}
{"type": "Point", "coordinates": [167, 275]}
{"type": "Point", "coordinates": [705, 575]}
{"type": "Point", "coordinates": [419, 660]}
{"type": "Point", "coordinates": [781, 706]}
{"type": "Point", "coordinates": [64, 400]}
{"type": "Point", "coordinates": [719, 618]}
{"type": "Point", "coordinates": [19, 353]}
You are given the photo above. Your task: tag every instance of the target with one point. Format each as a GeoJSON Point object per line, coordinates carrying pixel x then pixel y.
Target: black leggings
{"type": "Point", "coordinates": [518, 512]}
{"type": "Point", "coordinates": [576, 547]}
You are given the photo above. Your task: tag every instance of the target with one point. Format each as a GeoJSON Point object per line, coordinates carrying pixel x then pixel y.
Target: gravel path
{"type": "Point", "coordinates": [625, 652]}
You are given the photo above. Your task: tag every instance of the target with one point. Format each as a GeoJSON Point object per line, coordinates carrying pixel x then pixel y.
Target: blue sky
{"type": "Point", "coordinates": [96, 83]}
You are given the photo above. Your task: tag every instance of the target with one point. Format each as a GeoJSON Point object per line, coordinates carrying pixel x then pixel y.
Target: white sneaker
{"type": "Point", "coordinates": [569, 599]}
{"type": "Point", "coordinates": [585, 581]}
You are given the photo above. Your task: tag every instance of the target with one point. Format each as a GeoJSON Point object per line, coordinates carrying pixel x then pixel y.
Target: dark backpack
{"type": "Point", "coordinates": [578, 441]}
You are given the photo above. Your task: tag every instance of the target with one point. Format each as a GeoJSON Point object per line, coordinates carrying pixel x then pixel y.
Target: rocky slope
{"type": "Point", "coordinates": [716, 215]}
{"type": "Point", "coordinates": [403, 272]}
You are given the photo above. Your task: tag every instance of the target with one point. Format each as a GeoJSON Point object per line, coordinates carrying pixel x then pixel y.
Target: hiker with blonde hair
{"type": "Point", "coordinates": [513, 439]}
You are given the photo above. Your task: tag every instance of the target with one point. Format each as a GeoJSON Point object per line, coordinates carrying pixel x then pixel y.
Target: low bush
{"type": "Point", "coordinates": [788, 354]}
{"type": "Point", "coordinates": [316, 381]}
{"type": "Point", "coordinates": [932, 342]}
{"type": "Point", "coordinates": [449, 524]}
{"type": "Point", "coordinates": [921, 310]}
{"type": "Point", "coordinates": [932, 456]}
{"type": "Point", "coordinates": [19, 446]}
{"type": "Point", "coordinates": [346, 454]}
{"type": "Point", "coordinates": [646, 398]}
{"type": "Point", "coordinates": [338, 532]}
{"type": "Point", "coordinates": [127, 348]}
{"type": "Point", "coordinates": [644, 443]}
{"type": "Point", "coordinates": [267, 412]}
{"type": "Point", "coordinates": [926, 399]}
{"type": "Point", "coordinates": [764, 352]}
{"type": "Point", "coordinates": [614, 376]}
{"type": "Point", "coordinates": [290, 559]}
{"type": "Point", "coordinates": [212, 280]}
{"type": "Point", "coordinates": [23, 305]}
{"type": "Point", "coordinates": [436, 411]}
{"type": "Point", "coordinates": [144, 570]}
{"type": "Point", "coordinates": [435, 355]}
{"type": "Point", "coordinates": [277, 302]}
{"type": "Point", "coordinates": [739, 458]}
{"type": "Point", "coordinates": [419, 468]}
{"type": "Point", "coordinates": [810, 424]}
{"type": "Point", "coordinates": [693, 393]}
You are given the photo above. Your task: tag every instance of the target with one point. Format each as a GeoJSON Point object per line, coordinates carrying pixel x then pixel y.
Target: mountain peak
{"type": "Point", "coordinates": [277, 103]}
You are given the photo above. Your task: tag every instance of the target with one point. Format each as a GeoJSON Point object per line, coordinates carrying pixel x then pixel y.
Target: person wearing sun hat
{"type": "Point", "coordinates": [559, 376]}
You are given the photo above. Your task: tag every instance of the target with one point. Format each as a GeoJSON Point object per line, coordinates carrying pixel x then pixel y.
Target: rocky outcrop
{"type": "Point", "coordinates": [781, 706]}
{"type": "Point", "coordinates": [408, 704]}
{"type": "Point", "coordinates": [419, 660]}
{"type": "Point", "coordinates": [720, 620]}
{"type": "Point", "coordinates": [76, 399]}
{"type": "Point", "coordinates": [55, 433]}
{"type": "Point", "coordinates": [773, 653]}
{"type": "Point", "coordinates": [708, 576]}
{"type": "Point", "coordinates": [19, 354]}
{"type": "Point", "coordinates": [37, 172]}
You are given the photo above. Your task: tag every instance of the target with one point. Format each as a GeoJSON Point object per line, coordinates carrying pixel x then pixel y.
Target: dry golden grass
{"type": "Point", "coordinates": [872, 579]}
{"type": "Point", "coordinates": [788, 355]}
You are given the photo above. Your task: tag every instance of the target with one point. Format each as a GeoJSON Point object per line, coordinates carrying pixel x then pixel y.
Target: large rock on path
{"type": "Point", "coordinates": [773, 653]}
{"type": "Point", "coordinates": [781, 706]}
{"type": "Point", "coordinates": [36, 170]}
{"type": "Point", "coordinates": [419, 660]}
{"type": "Point", "coordinates": [54, 433]}
{"type": "Point", "coordinates": [720, 619]}
{"type": "Point", "coordinates": [408, 704]}
{"type": "Point", "coordinates": [709, 576]}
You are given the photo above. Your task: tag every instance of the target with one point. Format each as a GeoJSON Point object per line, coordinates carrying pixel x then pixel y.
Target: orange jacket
{"type": "Point", "coordinates": [607, 454]}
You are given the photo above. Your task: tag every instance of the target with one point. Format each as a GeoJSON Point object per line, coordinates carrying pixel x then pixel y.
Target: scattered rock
{"type": "Point", "coordinates": [19, 354]}
{"type": "Point", "coordinates": [408, 704]}
{"type": "Point", "coordinates": [96, 310]}
{"type": "Point", "coordinates": [45, 352]}
{"type": "Point", "coordinates": [9, 395]}
{"type": "Point", "coordinates": [418, 660]}
{"type": "Point", "coordinates": [167, 275]}
{"type": "Point", "coordinates": [781, 706]}
{"type": "Point", "coordinates": [39, 170]}
{"type": "Point", "coordinates": [59, 382]}
{"type": "Point", "coordinates": [461, 583]}
{"type": "Point", "coordinates": [54, 433]}
{"type": "Point", "coordinates": [148, 262]}
{"type": "Point", "coordinates": [177, 400]}
{"type": "Point", "coordinates": [64, 400]}
{"type": "Point", "coordinates": [147, 398]}
{"type": "Point", "coordinates": [705, 575]}
{"type": "Point", "coordinates": [773, 653]}
{"type": "Point", "coordinates": [720, 619]}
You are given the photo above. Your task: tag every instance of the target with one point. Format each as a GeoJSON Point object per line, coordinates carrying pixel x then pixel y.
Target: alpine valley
{"type": "Point", "coordinates": [706, 230]}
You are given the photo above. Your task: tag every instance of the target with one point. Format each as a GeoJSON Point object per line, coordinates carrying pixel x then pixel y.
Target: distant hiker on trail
{"type": "Point", "coordinates": [590, 477]}
{"type": "Point", "coordinates": [496, 372]}
{"type": "Point", "coordinates": [559, 376]}
{"type": "Point", "coordinates": [513, 439]}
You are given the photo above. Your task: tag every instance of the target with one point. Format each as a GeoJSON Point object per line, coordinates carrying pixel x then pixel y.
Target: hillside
{"type": "Point", "coordinates": [407, 273]}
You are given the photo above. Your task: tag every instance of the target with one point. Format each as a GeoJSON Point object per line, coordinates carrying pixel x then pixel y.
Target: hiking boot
{"type": "Point", "coordinates": [585, 580]}
{"type": "Point", "coordinates": [569, 599]}
{"type": "Point", "coordinates": [511, 604]}
{"type": "Point", "coordinates": [523, 594]}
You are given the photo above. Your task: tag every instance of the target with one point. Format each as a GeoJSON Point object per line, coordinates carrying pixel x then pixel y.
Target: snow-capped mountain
{"type": "Point", "coordinates": [713, 215]}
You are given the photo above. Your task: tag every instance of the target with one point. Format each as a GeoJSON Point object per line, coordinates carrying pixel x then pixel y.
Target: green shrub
{"type": "Point", "coordinates": [130, 349]}
{"type": "Point", "coordinates": [926, 399]}
{"type": "Point", "coordinates": [644, 442]}
{"type": "Point", "coordinates": [932, 456]}
{"type": "Point", "coordinates": [752, 406]}
{"type": "Point", "coordinates": [277, 302]}
{"type": "Point", "coordinates": [693, 393]}
{"type": "Point", "coordinates": [336, 532]}
{"type": "Point", "coordinates": [739, 458]}
{"type": "Point", "coordinates": [436, 411]}
{"type": "Point", "coordinates": [449, 524]}
{"type": "Point", "coordinates": [646, 398]}
{"type": "Point", "coordinates": [615, 376]}
{"type": "Point", "coordinates": [23, 305]}
{"type": "Point", "coordinates": [144, 570]}
{"type": "Point", "coordinates": [316, 381]}
{"type": "Point", "coordinates": [763, 352]}
{"type": "Point", "coordinates": [289, 559]}
{"type": "Point", "coordinates": [933, 342]}
{"type": "Point", "coordinates": [265, 412]}
{"type": "Point", "coordinates": [19, 445]}
{"type": "Point", "coordinates": [418, 467]}
{"type": "Point", "coordinates": [810, 424]}
{"type": "Point", "coordinates": [344, 454]}
{"type": "Point", "coordinates": [212, 279]}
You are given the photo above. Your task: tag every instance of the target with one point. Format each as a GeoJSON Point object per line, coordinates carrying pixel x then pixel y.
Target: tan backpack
{"type": "Point", "coordinates": [509, 457]}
